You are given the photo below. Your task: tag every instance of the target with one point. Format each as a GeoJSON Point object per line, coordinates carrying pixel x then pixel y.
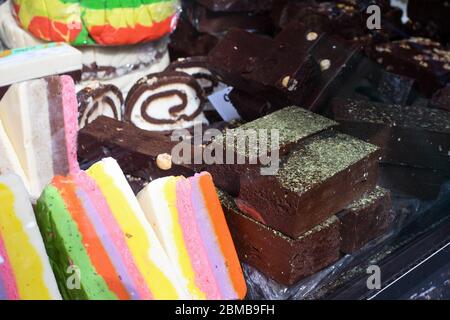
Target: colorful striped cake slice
{"type": "Point", "coordinates": [9, 163]}
{"type": "Point", "coordinates": [189, 221]}
{"type": "Point", "coordinates": [150, 258]}
{"type": "Point", "coordinates": [25, 271]}
{"type": "Point", "coordinates": [40, 120]}
{"type": "Point", "coordinates": [96, 232]}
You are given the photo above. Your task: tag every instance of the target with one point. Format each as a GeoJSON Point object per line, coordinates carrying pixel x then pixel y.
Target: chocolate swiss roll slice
{"type": "Point", "coordinates": [198, 68]}
{"type": "Point", "coordinates": [99, 100]}
{"type": "Point", "coordinates": [165, 101]}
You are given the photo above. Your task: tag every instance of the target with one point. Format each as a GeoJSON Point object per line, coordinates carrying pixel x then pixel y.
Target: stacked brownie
{"type": "Point", "coordinates": [300, 66]}
{"type": "Point", "coordinates": [321, 202]}
{"type": "Point", "coordinates": [202, 23]}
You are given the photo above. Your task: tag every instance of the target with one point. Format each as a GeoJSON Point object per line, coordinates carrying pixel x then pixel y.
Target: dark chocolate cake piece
{"type": "Point", "coordinates": [282, 258]}
{"type": "Point", "coordinates": [251, 107]}
{"type": "Point", "coordinates": [136, 150]}
{"type": "Point", "coordinates": [293, 124]}
{"type": "Point", "coordinates": [337, 60]}
{"type": "Point", "coordinates": [289, 70]}
{"type": "Point", "coordinates": [186, 41]}
{"type": "Point", "coordinates": [419, 58]}
{"type": "Point", "coordinates": [410, 135]}
{"type": "Point", "coordinates": [365, 219]}
{"type": "Point", "coordinates": [279, 70]}
{"type": "Point", "coordinates": [237, 54]}
{"type": "Point", "coordinates": [346, 18]}
{"type": "Point", "coordinates": [317, 179]}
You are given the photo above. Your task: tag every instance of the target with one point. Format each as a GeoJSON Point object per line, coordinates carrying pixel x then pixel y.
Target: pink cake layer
{"type": "Point", "coordinates": [8, 287]}
{"type": "Point", "coordinates": [120, 255]}
{"type": "Point", "coordinates": [204, 277]}
{"type": "Point", "coordinates": [70, 107]}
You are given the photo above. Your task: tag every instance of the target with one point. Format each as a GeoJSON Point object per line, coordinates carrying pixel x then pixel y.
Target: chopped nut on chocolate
{"type": "Point", "coordinates": [311, 36]}
{"type": "Point", "coordinates": [164, 161]}
{"type": "Point", "coordinates": [325, 64]}
{"type": "Point", "coordinates": [285, 81]}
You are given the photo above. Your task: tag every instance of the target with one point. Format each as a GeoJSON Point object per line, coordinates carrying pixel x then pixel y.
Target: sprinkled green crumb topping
{"type": "Point", "coordinates": [228, 202]}
{"type": "Point", "coordinates": [320, 158]}
{"type": "Point", "coordinates": [368, 199]}
{"type": "Point", "coordinates": [293, 124]}
{"type": "Point", "coordinates": [395, 115]}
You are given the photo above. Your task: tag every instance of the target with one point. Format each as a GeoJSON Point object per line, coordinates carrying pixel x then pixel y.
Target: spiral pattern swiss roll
{"type": "Point", "coordinates": [199, 69]}
{"type": "Point", "coordinates": [99, 100]}
{"type": "Point", "coordinates": [165, 101]}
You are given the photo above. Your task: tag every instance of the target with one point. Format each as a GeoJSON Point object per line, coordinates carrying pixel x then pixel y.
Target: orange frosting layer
{"type": "Point", "coordinates": [98, 255]}
{"type": "Point", "coordinates": [223, 234]}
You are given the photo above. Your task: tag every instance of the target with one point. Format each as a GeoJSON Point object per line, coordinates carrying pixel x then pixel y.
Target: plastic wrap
{"type": "Point", "coordinates": [317, 286]}
{"type": "Point", "coordinates": [108, 23]}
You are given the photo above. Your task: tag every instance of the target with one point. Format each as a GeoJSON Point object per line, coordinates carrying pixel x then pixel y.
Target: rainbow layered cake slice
{"type": "Point", "coordinates": [188, 219]}
{"type": "Point", "coordinates": [9, 163]}
{"type": "Point", "coordinates": [39, 118]}
{"type": "Point", "coordinates": [25, 271]}
{"type": "Point", "coordinates": [101, 245]}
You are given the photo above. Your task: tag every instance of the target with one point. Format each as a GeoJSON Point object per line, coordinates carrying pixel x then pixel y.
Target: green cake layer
{"type": "Point", "coordinates": [65, 248]}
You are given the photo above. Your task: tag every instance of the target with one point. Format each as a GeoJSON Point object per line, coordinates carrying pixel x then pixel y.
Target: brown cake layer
{"type": "Point", "coordinates": [410, 135]}
{"type": "Point", "coordinates": [316, 180]}
{"type": "Point", "coordinates": [279, 257]}
{"type": "Point", "coordinates": [365, 219]}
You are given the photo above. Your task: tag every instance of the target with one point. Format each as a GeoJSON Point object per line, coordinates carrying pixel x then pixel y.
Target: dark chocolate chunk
{"type": "Point", "coordinates": [239, 53]}
{"type": "Point", "coordinates": [288, 71]}
{"type": "Point", "coordinates": [237, 5]}
{"type": "Point", "coordinates": [98, 100]}
{"type": "Point", "coordinates": [337, 60]}
{"type": "Point", "coordinates": [326, 16]}
{"type": "Point", "coordinates": [318, 179]}
{"type": "Point", "coordinates": [279, 70]}
{"type": "Point", "coordinates": [294, 124]}
{"type": "Point", "coordinates": [282, 258]}
{"type": "Point", "coordinates": [422, 59]}
{"type": "Point", "coordinates": [185, 41]}
{"type": "Point", "coordinates": [136, 150]}
{"type": "Point", "coordinates": [365, 219]}
{"type": "Point", "coordinates": [406, 134]}
{"type": "Point", "coordinates": [346, 18]}
{"type": "Point", "coordinates": [251, 107]}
